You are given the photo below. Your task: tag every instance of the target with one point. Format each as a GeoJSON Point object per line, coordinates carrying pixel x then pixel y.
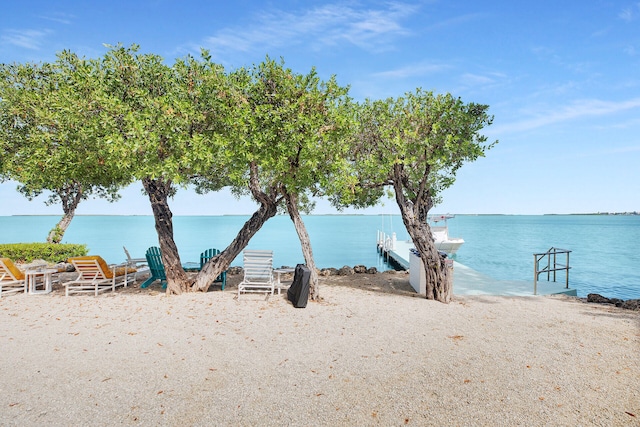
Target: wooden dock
{"type": "Point", "coordinates": [467, 281]}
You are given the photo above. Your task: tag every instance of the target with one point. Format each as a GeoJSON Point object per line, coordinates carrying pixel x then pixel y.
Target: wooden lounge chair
{"type": "Point", "coordinates": [156, 268]}
{"type": "Point", "coordinates": [206, 256]}
{"type": "Point", "coordinates": [12, 279]}
{"type": "Point", "coordinates": [258, 272]}
{"type": "Point", "coordinates": [94, 275]}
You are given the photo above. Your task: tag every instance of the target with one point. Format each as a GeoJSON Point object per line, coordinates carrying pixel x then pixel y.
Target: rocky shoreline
{"type": "Point", "coordinates": [630, 304]}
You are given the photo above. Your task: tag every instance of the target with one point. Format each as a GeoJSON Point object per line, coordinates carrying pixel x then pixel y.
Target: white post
{"type": "Point", "coordinates": [393, 241]}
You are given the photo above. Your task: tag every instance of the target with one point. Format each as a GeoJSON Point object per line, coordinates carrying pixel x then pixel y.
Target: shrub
{"type": "Point", "coordinates": [50, 252]}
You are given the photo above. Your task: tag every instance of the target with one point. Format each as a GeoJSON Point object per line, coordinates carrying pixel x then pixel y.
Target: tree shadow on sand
{"type": "Point", "coordinates": [386, 283]}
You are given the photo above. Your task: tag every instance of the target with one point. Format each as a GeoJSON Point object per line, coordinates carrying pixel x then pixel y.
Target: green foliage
{"type": "Point", "coordinates": [53, 253]}
{"type": "Point", "coordinates": [167, 121]}
{"type": "Point", "coordinates": [54, 133]}
{"type": "Point", "coordinates": [415, 143]}
{"type": "Point", "coordinates": [79, 128]}
{"type": "Point", "coordinates": [288, 131]}
{"type": "Point", "coordinates": [56, 234]}
{"type": "Point", "coordinates": [54, 124]}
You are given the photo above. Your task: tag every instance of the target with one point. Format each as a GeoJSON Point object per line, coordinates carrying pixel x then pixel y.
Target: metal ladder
{"type": "Point", "coordinates": [552, 266]}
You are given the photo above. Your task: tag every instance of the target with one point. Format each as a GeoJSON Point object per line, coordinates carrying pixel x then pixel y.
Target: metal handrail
{"type": "Point", "coordinates": [551, 267]}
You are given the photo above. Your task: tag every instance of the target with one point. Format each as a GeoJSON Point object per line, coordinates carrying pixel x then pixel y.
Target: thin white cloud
{"type": "Point", "coordinates": [630, 13]}
{"type": "Point", "coordinates": [60, 18]}
{"type": "Point", "coordinates": [609, 151]}
{"type": "Point", "coordinates": [623, 124]}
{"type": "Point", "coordinates": [28, 39]}
{"type": "Point", "coordinates": [477, 79]}
{"type": "Point", "coordinates": [327, 25]}
{"type": "Point", "coordinates": [455, 21]}
{"type": "Point", "coordinates": [630, 149]}
{"type": "Point", "coordinates": [626, 15]}
{"type": "Point", "coordinates": [576, 110]}
{"type": "Point", "coordinates": [480, 83]}
{"type": "Point", "coordinates": [412, 71]}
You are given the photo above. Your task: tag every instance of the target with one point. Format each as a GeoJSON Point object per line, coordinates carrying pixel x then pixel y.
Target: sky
{"type": "Point", "coordinates": [562, 79]}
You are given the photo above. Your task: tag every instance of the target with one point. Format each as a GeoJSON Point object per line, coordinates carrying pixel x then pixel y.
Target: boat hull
{"type": "Point", "coordinates": [450, 246]}
{"type": "Point", "coordinates": [443, 242]}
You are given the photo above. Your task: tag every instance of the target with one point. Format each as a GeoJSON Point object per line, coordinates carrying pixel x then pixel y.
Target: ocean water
{"type": "Point", "coordinates": [605, 249]}
{"type": "Point", "coordinates": [604, 258]}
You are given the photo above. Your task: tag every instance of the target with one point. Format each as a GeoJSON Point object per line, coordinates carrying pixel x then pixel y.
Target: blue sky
{"type": "Point", "coordinates": [562, 79]}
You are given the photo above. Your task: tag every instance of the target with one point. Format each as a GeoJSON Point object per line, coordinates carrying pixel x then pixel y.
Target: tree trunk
{"type": "Point", "coordinates": [268, 208]}
{"type": "Point", "coordinates": [221, 262]}
{"type": "Point", "coordinates": [437, 278]}
{"type": "Point", "coordinates": [70, 198]}
{"type": "Point", "coordinates": [305, 243]}
{"type": "Point", "coordinates": [414, 217]}
{"type": "Point", "coordinates": [159, 191]}
{"type": "Point", "coordinates": [57, 233]}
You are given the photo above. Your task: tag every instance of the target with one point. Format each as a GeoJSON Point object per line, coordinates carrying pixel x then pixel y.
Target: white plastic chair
{"type": "Point", "coordinates": [258, 272]}
{"type": "Point", "coordinates": [134, 262]}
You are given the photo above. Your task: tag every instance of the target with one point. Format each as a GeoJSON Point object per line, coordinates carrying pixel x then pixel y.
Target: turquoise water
{"type": "Point", "coordinates": [604, 259]}
{"type": "Point", "coordinates": [605, 248]}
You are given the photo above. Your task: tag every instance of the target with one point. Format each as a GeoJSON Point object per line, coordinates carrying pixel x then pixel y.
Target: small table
{"type": "Point", "coordinates": [280, 271]}
{"type": "Point", "coordinates": [39, 277]}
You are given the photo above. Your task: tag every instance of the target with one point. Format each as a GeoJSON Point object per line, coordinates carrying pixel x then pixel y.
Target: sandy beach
{"type": "Point", "coordinates": [371, 352]}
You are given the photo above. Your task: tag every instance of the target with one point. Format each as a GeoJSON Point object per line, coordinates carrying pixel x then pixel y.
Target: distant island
{"type": "Point", "coordinates": [605, 213]}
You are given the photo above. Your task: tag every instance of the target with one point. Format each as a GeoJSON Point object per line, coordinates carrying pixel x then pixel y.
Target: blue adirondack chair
{"type": "Point", "coordinates": [206, 256]}
{"type": "Point", "coordinates": [156, 267]}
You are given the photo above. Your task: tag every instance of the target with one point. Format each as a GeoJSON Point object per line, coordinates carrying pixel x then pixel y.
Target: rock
{"type": "Point", "coordinates": [35, 264]}
{"type": "Point", "coordinates": [234, 270]}
{"type": "Point", "coordinates": [597, 298]}
{"type": "Point", "coordinates": [65, 266]}
{"type": "Point", "coordinates": [328, 272]}
{"type": "Point", "coordinates": [346, 271]}
{"type": "Point", "coordinates": [372, 270]}
{"type": "Point", "coordinates": [631, 304]}
{"type": "Point", "coordinates": [396, 272]}
{"type": "Point", "coordinates": [359, 269]}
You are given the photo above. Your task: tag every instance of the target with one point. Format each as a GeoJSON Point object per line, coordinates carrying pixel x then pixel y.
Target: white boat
{"type": "Point", "coordinates": [443, 242]}
{"type": "Point", "coordinates": [440, 234]}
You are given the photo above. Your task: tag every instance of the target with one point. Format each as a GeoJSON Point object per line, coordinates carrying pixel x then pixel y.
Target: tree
{"type": "Point", "coordinates": [289, 143]}
{"type": "Point", "coordinates": [415, 145]}
{"type": "Point", "coordinates": [176, 126]}
{"type": "Point", "coordinates": [169, 123]}
{"type": "Point", "coordinates": [53, 128]}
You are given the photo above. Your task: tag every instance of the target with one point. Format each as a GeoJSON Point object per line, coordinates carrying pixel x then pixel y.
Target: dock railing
{"type": "Point", "coordinates": [386, 243]}
{"type": "Point", "coordinates": [552, 266]}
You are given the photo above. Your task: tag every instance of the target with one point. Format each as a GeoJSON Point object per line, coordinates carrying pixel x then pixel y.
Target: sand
{"type": "Point", "coordinates": [370, 353]}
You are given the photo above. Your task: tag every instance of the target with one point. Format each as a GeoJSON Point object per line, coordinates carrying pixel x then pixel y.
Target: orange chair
{"type": "Point", "coordinates": [12, 279]}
